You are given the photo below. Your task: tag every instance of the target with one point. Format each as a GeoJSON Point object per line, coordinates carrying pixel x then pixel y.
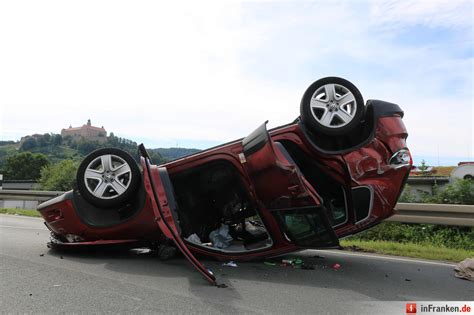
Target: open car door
{"type": "Point", "coordinates": [282, 189]}
{"type": "Point", "coordinates": [158, 187]}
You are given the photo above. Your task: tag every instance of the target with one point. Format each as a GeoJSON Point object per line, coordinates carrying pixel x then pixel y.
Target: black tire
{"type": "Point", "coordinates": [110, 198]}
{"type": "Point", "coordinates": [308, 114]}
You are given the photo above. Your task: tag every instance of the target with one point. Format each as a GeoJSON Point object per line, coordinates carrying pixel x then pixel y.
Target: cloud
{"type": "Point", "coordinates": [210, 72]}
{"type": "Point", "coordinates": [433, 13]}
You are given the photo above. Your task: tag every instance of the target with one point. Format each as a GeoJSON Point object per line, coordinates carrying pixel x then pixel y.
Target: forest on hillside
{"type": "Point", "coordinates": [51, 149]}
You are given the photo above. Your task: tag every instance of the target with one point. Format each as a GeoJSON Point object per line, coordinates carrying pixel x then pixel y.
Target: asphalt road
{"type": "Point", "coordinates": [35, 279]}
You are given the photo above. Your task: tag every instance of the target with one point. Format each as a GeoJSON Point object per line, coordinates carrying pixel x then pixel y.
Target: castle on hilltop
{"type": "Point", "coordinates": [86, 131]}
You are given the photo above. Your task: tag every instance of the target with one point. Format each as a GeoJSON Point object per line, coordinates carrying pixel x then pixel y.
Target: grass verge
{"type": "Point", "coordinates": [24, 212]}
{"type": "Point", "coordinates": [425, 251]}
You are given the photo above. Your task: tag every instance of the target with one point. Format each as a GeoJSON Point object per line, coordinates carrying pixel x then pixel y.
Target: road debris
{"type": "Point", "coordinates": [41, 255]}
{"type": "Point", "coordinates": [194, 238]}
{"type": "Point", "coordinates": [336, 266]}
{"type": "Point", "coordinates": [292, 261]}
{"type": "Point", "coordinates": [296, 263]}
{"type": "Point", "coordinates": [141, 251]}
{"type": "Point", "coordinates": [220, 237]}
{"type": "Point", "coordinates": [230, 264]}
{"type": "Point", "coordinates": [465, 269]}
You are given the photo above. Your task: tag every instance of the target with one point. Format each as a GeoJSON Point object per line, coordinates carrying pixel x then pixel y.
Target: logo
{"type": "Point", "coordinates": [411, 308]}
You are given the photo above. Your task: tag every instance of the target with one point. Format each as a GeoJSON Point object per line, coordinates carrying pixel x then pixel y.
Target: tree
{"type": "Point", "coordinates": [24, 166]}
{"type": "Point", "coordinates": [60, 176]}
{"type": "Point", "coordinates": [461, 191]}
{"type": "Point", "coordinates": [41, 141]}
{"type": "Point", "coordinates": [7, 142]}
{"type": "Point", "coordinates": [155, 157]}
{"type": "Point", "coordinates": [112, 140]}
{"type": "Point", "coordinates": [68, 140]}
{"type": "Point", "coordinates": [57, 139]}
{"type": "Point", "coordinates": [85, 146]}
{"type": "Point", "coordinates": [29, 143]}
{"type": "Point", "coordinates": [423, 167]}
{"type": "Point", "coordinates": [407, 195]}
{"type": "Point", "coordinates": [47, 138]}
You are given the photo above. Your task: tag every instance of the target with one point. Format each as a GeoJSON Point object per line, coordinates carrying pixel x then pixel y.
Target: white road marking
{"type": "Point", "coordinates": [412, 260]}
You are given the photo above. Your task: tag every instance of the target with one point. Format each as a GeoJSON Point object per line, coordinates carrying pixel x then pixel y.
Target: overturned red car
{"type": "Point", "coordinates": [336, 170]}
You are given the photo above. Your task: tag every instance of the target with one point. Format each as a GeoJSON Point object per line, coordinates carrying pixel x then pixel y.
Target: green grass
{"type": "Point", "coordinates": [24, 212]}
{"type": "Point", "coordinates": [425, 251]}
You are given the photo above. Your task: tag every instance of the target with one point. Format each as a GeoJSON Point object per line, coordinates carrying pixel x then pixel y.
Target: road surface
{"type": "Point", "coordinates": [34, 278]}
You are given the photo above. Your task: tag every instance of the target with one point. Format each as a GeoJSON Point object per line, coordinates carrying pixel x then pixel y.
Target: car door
{"type": "Point", "coordinates": [282, 189]}
{"type": "Point", "coordinates": [159, 188]}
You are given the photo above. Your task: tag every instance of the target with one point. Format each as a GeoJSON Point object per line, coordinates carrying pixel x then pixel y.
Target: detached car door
{"type": "Point", "coordinates": [160, 191]}
{"type": "Point", "coordinates": [282, 189]}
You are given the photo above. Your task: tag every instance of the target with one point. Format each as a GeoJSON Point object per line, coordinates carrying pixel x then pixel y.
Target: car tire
{"type": "Point", "coordinates": [332, 106]}
{"type": "Point", "coordinates": [108, 177]}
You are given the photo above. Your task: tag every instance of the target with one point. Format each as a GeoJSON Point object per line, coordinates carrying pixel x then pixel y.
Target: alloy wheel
{"type": "Point", "coordinates": [107, 176]}
{"type": "Point", "coordinates": [333, 106]}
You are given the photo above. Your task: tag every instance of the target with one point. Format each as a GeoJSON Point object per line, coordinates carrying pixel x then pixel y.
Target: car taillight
{"type": "Point", "coordinates": [401, 158]}
{"type": "Point", "coordinates": [54, 215]}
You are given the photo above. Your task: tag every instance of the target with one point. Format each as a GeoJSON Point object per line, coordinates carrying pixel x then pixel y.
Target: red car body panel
{"type": "Point", "coordinates": [164, 217]}
{"type": "Point", "coordinates": [271, 179]}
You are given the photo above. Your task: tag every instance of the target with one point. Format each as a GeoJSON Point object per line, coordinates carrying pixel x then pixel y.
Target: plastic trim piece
{"type": "Point", "coordinates": [370, 202]}
{"type": "Point", "coordinates": [66, 196]}
{"type": "Point", "coordinates": [256, 140]}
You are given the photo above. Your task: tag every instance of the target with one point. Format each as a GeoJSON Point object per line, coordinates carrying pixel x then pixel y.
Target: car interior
{"type": "Point", "coordinates": [215, 210]}
{"type": "Point", "coordinates": [332, 192]}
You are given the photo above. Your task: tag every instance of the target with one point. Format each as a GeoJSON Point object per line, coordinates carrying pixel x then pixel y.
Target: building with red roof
{"type": "Point", "coordinates": [87, 132]}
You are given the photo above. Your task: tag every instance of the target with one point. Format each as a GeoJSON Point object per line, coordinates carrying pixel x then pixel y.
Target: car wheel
{"type": "Point", "coordinates": [108, 177]}
{"type": "Point", "coordinates": [332, 106]}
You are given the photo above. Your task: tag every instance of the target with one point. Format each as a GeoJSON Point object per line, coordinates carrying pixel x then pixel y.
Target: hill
{"type": "Point", "coordinates": [174, 153]}
{"type": "Point", "coordinates": [57, 148]}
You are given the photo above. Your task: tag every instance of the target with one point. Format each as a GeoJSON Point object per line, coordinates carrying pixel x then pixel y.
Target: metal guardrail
{"type": "Point", "coordinates": [443, 214]}
{"type": "Point", "coordinates": [31, 195]}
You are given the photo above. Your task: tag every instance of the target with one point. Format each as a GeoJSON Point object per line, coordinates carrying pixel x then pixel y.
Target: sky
{"type": "Point", "coordinates": [200, 73]}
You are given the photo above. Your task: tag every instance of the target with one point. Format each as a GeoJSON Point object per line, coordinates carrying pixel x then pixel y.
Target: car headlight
{"type": "Point", "coordinates": [401, 158]}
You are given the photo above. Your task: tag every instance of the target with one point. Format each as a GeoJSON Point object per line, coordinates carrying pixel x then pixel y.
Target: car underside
{"type": "Point", "coordinates": [336, 170]}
